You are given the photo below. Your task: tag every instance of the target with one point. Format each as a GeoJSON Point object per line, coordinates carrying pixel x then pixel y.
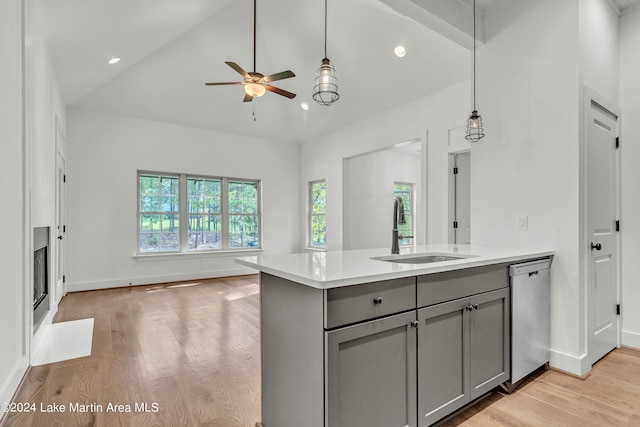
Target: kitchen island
{"type": "Point", "coordinates": [362, 338]}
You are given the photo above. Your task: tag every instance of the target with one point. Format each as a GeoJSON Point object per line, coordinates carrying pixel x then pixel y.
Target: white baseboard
{"type": "Point", "coordinates": [150, 280]}
{"type": "Point", "coordinates": [576, 365]}
{"type": "Point", "coordinates": [10, 386]}
{"type": "Point", "coordinates": [631, 339]}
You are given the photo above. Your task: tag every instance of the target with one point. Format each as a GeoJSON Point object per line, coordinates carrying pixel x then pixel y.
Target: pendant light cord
{"type": "Point", "coordinates": [254, 35]}
{"type": "Point", "coordinates": [325, 28]}
{"type": "Point", "coordinates": [474, 55]}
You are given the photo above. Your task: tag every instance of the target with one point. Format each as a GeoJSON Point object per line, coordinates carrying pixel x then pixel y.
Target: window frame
{"type": "Point", "coordinates": [183, 214]}
{"type": "Point", "coordinates": [311, 214]}
{"type": "Point", "coordinates": [411, 210]}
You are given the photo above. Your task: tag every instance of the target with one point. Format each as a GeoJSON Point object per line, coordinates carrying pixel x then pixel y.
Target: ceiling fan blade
{"type": "Point", "coordinates": [279, 76]}
{"type": "Point", "coordinates": [238, 68]}
{"type": "Point", "coordinates": [280, 91]}
{"type": "Point", "coordinates": [247, 98]}
{"type": "Point", "coordinates": [223, 83]}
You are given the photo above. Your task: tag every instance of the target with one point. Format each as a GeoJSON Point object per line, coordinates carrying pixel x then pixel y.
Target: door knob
{"type": "Point", "coordinates": [414, 323]}
{"type": "Point", "coordinates": [596, 246]}
{"type": "Point", "coordinates": [59, 237]}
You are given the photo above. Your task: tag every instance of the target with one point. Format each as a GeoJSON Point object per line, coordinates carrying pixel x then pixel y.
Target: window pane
{"type": "Point", "coordinates": [159, 233]}
{"type": "Point", "coordinates": [149, 203]}
{"type": "Point", "coordinates": [212, 188]}
{"type": "Point", "coordinates": [204, 232]}
{"type": "Point", "coordinates": [149, 184]}
{"type": "Point", "coordinates": [250, 190]}
{"type": "Point", "coordinates": [235, 189]}
{"type": "Point", "coordinates": [250, 206]}
{"type": "Point", "coordinates": [243, 231]}
{"type": "Point", "coordinates": [319, 197]}
{"type": "Point", "coordinates": [169, 185]}
{"type": "Point", "coordinates": [319, 231]}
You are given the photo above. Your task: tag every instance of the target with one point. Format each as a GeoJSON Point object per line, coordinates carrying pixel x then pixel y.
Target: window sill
{"type": "Point", "coordinates": [312, 249]}
{"type": "Point", "coordinates": [195, 255]}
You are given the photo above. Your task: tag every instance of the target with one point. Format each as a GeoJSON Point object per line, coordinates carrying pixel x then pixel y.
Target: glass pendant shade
{"type": "Point", "coordinates": [254, 89]}
{"type": "Point", "coordinates": [325, 91]}
{"type": "Point", "coordinates": [475, 131]}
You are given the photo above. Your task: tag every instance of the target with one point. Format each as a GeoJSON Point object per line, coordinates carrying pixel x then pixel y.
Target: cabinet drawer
{"type": "Point", "coordinates": [368, 301]}
{"type": "Point", "coordinates": [450, 285]}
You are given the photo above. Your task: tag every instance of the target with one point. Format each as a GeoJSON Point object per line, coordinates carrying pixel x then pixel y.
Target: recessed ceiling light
{"type": "Point", "coordinates": [400, 51]}
{"type": "Point", "coordinates": [113, 61]}
{"type": "Point", "coordinates": [304, 106]}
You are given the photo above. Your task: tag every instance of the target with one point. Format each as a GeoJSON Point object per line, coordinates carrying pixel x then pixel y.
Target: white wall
{"type": "Point", "coordinates": [13, 360]}
{"type": "Point", "coordinates": [427, 119]}
{"type": "Point", "coordinates": [530, 87]}
{"type": "Point", "coordinates": [528, 163]}
{"type": "Point", "coordinates": [630, 154]}
{"type": "Point", "coordinates": [45, 107]}
{"type": "Point", "coordinates": [368, 196]}
{"type": "Point", "coordinates": [104, 154]}
{"type": "Point", "coordinates": [599, 47]}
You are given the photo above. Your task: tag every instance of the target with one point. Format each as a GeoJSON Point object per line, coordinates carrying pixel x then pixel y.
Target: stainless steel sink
{"type": "Point", "coordinates": [424, 258]}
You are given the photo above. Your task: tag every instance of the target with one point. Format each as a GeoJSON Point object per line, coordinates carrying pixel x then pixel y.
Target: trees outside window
{"type": "Point", "coordinates": [183, 213]}
{"type": "Point", "coordinates": [318, 214]}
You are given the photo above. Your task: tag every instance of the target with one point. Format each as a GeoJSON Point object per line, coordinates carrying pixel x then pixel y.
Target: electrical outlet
{"type": "Point", "coordinates": [523, 222]}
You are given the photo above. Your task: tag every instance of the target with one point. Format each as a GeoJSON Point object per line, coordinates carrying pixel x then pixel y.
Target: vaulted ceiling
{"type": "Point", "coordinates": [170, 48]}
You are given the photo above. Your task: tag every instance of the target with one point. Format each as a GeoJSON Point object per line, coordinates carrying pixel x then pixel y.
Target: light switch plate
{"type": "Point", "coordinates": [523, 222]}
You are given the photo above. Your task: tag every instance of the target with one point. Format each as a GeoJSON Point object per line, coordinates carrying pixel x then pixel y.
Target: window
{"type": "Point", "coordinates": [182, 213]}
{"type": "Point", "coordinates": [318, 214]}
{"type": "Point", "coordinates": [405, 192]}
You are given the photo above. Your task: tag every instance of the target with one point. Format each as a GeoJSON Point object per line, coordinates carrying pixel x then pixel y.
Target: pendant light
{"type": "Point", "coordinates": [325, 91]}
{"type": "Point", "coordinates": [475, 131]}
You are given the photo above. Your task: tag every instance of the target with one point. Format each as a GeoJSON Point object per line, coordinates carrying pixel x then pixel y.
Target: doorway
{"type": "Point", "coordinates": [460, 198]}
{"type": "Point", "coordinates": [602, 243]}
{"type": "Point", "coordinates": [60, 225]}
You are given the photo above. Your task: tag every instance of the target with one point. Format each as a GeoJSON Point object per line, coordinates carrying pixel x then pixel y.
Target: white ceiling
{"type": "Point", "coordinates": [169, 48]}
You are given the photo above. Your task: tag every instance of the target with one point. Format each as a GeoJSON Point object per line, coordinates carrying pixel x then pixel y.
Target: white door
{"type": "Point", "coordinates": [60, 290]}
{"type": "Point", "coordinates": [602, 239]}
{"type": "Point", "coordinates": [462, 198]}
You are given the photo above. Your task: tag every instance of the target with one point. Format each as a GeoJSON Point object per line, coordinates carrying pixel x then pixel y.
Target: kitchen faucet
{"type": "Point", "coordinates": [398, 218]}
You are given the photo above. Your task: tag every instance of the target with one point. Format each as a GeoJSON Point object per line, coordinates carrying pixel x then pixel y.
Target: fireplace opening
{"type": "Point", "coordinates": [40, 274]}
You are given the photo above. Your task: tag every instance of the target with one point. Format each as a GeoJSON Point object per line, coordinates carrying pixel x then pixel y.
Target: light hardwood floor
{"type": "Point", "coordinates": [193, 349]}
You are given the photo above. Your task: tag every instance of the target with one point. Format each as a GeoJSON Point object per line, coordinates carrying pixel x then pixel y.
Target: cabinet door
{"type": "Point", "coordinates": [371, 374]}
{"type": "Point", "coordinates": [489, 341]}
{"type": "Point", "coordinates": [443, 360]}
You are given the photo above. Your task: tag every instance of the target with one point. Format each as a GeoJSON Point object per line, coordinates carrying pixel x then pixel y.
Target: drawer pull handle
{"type": "Point", "coordinates": [469, 308]}
{"type": "Point", "coordinates": [414, 323]}
{"type": "Point", "coordinates": [377, 300]}
{"type": "Point", "coordinates": [475, 306]}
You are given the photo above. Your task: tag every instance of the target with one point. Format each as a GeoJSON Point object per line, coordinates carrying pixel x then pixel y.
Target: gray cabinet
{"type": "Point", "coordinates": [401, 352]}
{"type": "Point", "coordinates": [371, 373]}
{"type": "Point", "coordinates": [463, 352]}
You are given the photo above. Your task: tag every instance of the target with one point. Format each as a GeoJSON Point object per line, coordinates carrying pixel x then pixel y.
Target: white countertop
{"type": "Point", "coordinates": [332, 269]}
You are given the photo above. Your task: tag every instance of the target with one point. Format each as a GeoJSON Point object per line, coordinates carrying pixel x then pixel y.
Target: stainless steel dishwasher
{"type": "Point", "coordinates": [530, 318]}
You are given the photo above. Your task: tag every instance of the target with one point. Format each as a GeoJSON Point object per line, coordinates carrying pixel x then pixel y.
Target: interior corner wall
{"type": "Point", "coordinates": [428, 119]}
{"type": "Point", "coordinates": [104, 153]}
{"type": "Point", "coordinates": [13, 359]}
{"type": "Point", "coordinates": [630, 153]}
{"type": "Point", "coordinates": [528, 164]}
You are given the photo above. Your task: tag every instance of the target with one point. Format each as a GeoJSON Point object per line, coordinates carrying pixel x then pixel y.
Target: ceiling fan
{"type": "Point", "coordinates": [255, 84]}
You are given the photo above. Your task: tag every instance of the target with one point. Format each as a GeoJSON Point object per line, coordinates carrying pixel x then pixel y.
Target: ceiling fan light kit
{"type": "Point", "coordinates": [475, 131]}
{"type": "Point", "coordinates": [256, 84]}
{"type": "Point", "coordinates": [325, 91]}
